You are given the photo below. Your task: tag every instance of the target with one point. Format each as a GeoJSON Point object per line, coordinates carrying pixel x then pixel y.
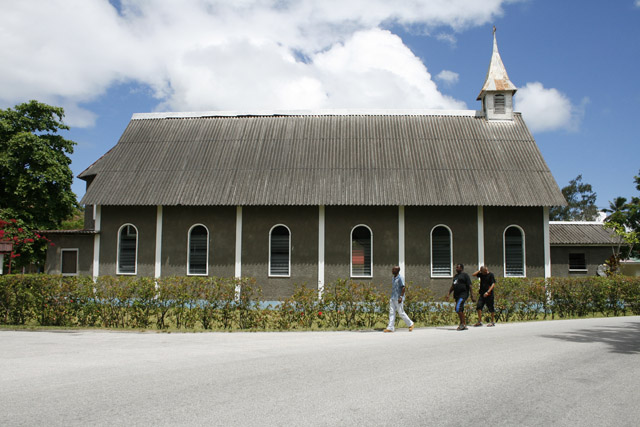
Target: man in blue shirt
{"type": "Point", "coordinates": [397, 301]}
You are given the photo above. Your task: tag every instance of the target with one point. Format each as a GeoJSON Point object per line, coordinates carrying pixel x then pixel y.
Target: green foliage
{"type": "Point", "coordinates": [624, 220]}
{"type": "Point", "coordinates": [75, 221]}
{"type": "Point", "coordinates": [581, 203]}
{"type": "Point", "coordinates": [35, 177]}
{"type": "Point", "coordinates": [210, 303]}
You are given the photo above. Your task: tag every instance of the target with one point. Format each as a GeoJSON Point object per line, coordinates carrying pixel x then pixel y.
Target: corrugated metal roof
{"type": "Point", "coordinates": [324, 160]}
{"type": "Point", "coordinates": [581, 233]}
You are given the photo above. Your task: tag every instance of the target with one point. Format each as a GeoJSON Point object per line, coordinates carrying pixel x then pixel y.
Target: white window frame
{"type": "Point", "coordinates": [189, 251]}
{"type": "Point", "coordinates": [450, 275]}
{"type": "Point", "coordinates": [351, 253]}
{"type": "Point", "coordinates": [135, 265]}
{"type": "Point", "coordinates": [524, 251]}
{"type": "Point", "coordinates": [269, 249]}
{"type": "Point", "coordinates": [76, 250]}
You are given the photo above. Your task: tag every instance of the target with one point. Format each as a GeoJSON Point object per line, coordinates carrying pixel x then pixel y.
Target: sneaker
{"type": "Point", "coordinates": [411, 327]}
{"type": "Point", "coordinates": [491, 324]}
{"type": "Point", "coordinates": [462, 328]}
{"type": "Point", "coordinates": [478, 324]}
{"type": "Point", "coordinates": [387, 330]}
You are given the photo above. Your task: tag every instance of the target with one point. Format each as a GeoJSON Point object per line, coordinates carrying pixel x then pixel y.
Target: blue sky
{"type": "Point", "coordinates": [575, 63]}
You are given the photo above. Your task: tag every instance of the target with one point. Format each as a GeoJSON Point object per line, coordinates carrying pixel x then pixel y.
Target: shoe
{"type": "Point", "coordinates": [462, 328]}
{"type": "Point", "coordinates": [478, 324]}
{"type": "Point", "coordinates": [387, 330]}
{"type": "Point", "coordinates": [411, 327]}
{"type": "Point", "coordinates": [491, 324]}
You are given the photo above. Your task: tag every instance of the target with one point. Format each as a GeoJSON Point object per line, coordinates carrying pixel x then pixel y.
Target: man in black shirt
{"type": "Point", "coordinates": [485, 297]}
{"type": "Point", "coordinates": [461, 288]}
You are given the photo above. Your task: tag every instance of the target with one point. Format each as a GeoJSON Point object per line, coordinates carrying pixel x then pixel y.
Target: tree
{"type": "Point", "coordinates": [624, 220]}
{"type": "Point", "coordinates": [35, 177]}
{"type": "Point", "coordinates": [28, 247]}
{"type": "Point", "coordinates": [581, 203]}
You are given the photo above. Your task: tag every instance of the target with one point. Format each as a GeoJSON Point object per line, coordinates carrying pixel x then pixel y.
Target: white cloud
{"type": "Point", "coordinates": [219, 54]}
{"type": "Point", "coordinates": [548, 109]}
{"type": "Point", "coordinates": [449, 77]}
{"type": "Point", "coordinates": [637, 3]}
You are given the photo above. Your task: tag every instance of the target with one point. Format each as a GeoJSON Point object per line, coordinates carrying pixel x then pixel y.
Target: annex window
{"type": "Point", "coordinates": [499, 104]}
{"type": "Point", "coordinates": [514, 254]}
{"type": "Point", "coordinates": [69, 262]}
{"type": "Point", "coordinates": [441, 252]}
{"type": "Point", "coordinates": [127, 249]}
{"type": "Point", "coordinates": [279, 251]}
{"type": "Point", "coordinates": [578, 262]}
{"type": "Point", "coordinates": [198, 256]}
{"type": "Point", "coordinates": [361, 251]}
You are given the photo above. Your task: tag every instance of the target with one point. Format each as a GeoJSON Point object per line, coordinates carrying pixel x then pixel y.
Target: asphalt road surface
{"type": "Point", "coordinates": [560, 373]}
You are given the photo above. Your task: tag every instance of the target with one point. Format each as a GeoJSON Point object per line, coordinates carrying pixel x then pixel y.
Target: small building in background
{"type": "Point", "coordinates": [581, 248]}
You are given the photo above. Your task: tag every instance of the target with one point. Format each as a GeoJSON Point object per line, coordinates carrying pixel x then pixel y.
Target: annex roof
{"type": "Point", "coordinates": [372, 158]}
{"type": "Point", "coordinates": [580, 233]}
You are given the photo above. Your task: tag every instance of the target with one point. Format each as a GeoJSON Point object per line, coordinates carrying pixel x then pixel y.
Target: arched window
{"type": "Point", "coordinates": [361, 251]}
{"type": "Point", "coordinates": [279, 251]}
{"type": "Point", "coordinates": [127, 249]}
{"type": "Point", "coordinates": [198, 256]}
{"type": "Point", "coordinates": [499, 104]}
{"type": "Point", "coordinates": [441, 252]}
{"type": "Point", "coordinates": [514, 253]}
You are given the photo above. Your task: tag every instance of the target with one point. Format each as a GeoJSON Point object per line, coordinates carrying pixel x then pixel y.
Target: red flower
{"type": "Point", "coordinates": [28, 240]}
{"type": "Point", "coordinates": [20, 230]}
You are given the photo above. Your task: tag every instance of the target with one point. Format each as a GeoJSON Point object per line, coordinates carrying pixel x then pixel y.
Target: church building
{"type": "Point", "coordinates": [309, 197]}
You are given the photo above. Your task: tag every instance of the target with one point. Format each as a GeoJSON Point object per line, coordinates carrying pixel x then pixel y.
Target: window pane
{"type": "Point", "coordinates": [361, 252]}
{"type": "Point", "coordinates": [127, 258]}
{"type": "Point", "coordinates": [279, 251]}
{"type": "Point", "coordinates": [441, 252]}
{"type": "Point", "coordinates": [577, 261]}
{"type": "Point", "coordinates": [499, 106]}
{"type": "Point", "coordinates": [198, 250]}
{"type": "Point", "coordinates": [69, 262]}
{"type": "Point", "coordinates": [514, 252]}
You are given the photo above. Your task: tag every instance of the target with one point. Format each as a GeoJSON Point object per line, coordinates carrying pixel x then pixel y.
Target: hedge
{"type": "Point", "coordinates": [209, 303]}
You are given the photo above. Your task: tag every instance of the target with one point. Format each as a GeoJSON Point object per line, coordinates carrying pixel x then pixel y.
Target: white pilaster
{"type": "Point", "coordinates": [97, 218]}
{"type": "Point", "coordinates": [480, 236]}
{"type": "Point", "coordinates": [547, 248]}
{"type": "Point", "coordinates": [401, 263]}
{"type": "Point", "coordinates": [321, 218]}
{"type": "Point", "coordinates": [238, 270]}
{"type": "Point", "coordinates": [158, 269]}
{"type": "Point", "coordinates": [1, 264]}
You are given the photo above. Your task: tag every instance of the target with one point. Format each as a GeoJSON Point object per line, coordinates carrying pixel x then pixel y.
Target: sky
{"type": "Point", "coordinates": [576, 64]}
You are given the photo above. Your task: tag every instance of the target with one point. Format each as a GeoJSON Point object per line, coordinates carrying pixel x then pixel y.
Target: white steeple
{"type": "Point", "coordinates": [497, 92]}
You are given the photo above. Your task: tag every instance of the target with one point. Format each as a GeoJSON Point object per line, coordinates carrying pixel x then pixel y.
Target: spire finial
{"type": "Point", "coordinates": [494, 30]}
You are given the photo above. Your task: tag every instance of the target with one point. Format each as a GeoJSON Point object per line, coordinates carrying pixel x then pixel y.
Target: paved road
{"type": "Point", "coordinates": [564, 373]}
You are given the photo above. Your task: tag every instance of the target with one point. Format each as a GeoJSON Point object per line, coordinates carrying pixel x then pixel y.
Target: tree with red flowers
{"type": "Point", "coordinates": [27, 247]}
